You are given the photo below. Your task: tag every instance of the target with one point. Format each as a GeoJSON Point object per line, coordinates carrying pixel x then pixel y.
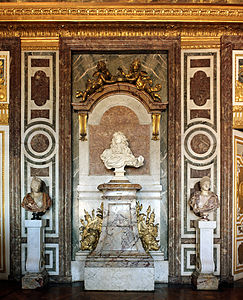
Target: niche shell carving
{"type": "Point", "coordinates": [91, 228]}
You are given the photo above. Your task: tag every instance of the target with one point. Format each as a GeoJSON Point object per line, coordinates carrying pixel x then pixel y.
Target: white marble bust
{"type": "Point", "coordinates": [120, 155]}
{"type": "Point", "coordinates": [205, 201]}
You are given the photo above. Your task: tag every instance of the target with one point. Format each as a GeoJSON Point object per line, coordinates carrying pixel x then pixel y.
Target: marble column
{"type": "Point", "coordinates": [36, 275]}
{"type": "Point", "coordinates": [119, 261]}
{"type": "Point", "coordinates": [203, 278]}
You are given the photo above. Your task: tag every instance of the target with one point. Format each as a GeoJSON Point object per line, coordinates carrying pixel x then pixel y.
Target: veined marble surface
{"type": "Point", "coordinates": [119, 279]}
{"type": "Point", "coordinates": [119, 257]}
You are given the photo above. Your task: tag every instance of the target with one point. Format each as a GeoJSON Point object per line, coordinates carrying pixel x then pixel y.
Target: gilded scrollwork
{"type": "Point", "coordinates": [91, 228]}
{"type": "Point", "coordinates": [148, 231]}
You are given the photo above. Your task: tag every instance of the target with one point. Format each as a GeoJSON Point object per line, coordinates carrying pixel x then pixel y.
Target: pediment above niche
{"type": "Point", "coordinates": [120, 88]}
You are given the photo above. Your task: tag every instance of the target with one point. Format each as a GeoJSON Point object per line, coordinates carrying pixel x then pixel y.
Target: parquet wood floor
{"type": "Point", "coordinates": [12, 291]}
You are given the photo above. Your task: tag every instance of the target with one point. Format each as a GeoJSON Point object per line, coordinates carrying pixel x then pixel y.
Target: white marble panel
{"type": "Point", "coordinates": [119, 279]}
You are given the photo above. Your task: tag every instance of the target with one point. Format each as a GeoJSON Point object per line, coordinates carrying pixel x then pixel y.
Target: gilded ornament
{"type": "Point", "coordinates": [135, 76]}
{"type": "Point", "coordinates": [91, 228]}
{"type": "Point", "coordinates": [141, 79]}
{"type": "Point", "coordinates": [124, 12]}
{"type": "Point", "coordinates": [3, 87]}
{"type": "Point", "coordinates": [101, 77]}
{"type": "Point", "coordinates": [4, 114]}
{"type": "Point", "coordinates": [148, 231]}
{"type": "Point", "coordinates": [83, 117]}
{"type": "Point", "coordinates": [238, 116]}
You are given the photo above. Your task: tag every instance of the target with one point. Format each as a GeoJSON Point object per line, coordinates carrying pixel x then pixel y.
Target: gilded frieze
{"type": "Point", "coordinates": [123, 12]}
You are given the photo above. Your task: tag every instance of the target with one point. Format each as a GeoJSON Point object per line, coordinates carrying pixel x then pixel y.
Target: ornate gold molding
{"type": "Point", "coordinates": [80, 12]}
{"type": "Point", "coordinates": [49, 30]}
{"type": "Point", "coordinates": [200, 42]}
{"type": "Point", "coordinates": [39, 43]}
{"type": "Point", "coordinates": [238, 116]}
{"type": "Point", "coordinates": [3, 113]}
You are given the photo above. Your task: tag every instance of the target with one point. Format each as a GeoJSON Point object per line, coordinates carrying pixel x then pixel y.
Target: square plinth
{"type": "Point", "coordinates": [32, 281]}
{"type": "Point", "coordinates": [119, 279]}
{"type": "Point", "coordinates": [202, 281]}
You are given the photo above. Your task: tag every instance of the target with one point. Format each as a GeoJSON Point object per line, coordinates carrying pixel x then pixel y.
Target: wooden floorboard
{"type": "Point", "coordinates": [12, 291]}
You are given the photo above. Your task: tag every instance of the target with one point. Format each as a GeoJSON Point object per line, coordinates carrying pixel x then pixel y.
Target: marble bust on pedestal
{"type": "Point", "coordinates": [205, 201]}
{"type": "Point", "coordinates": [37, 202]}
{"type": "Point", "coordinates": [202, 203]}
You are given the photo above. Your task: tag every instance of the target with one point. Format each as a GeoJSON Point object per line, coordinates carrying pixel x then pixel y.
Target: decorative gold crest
{"type": "Point", "coordinates": [91, 228]}
{"type": "Point", "coordinates": [148, 232]}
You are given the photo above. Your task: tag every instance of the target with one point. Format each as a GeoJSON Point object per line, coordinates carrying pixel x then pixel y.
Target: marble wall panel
{"type": "Point", "coordinates": [40, 128]}
{"type": "Point", "coordinates": [200, 139]}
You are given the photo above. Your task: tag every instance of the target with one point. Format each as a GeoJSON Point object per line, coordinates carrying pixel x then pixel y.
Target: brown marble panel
{"type": "Point", "coordinates": [200, 88]}
{"type": "Point", "coordinates": [40, 88]}
{"type": "Point", "coordinates": [13, 45]}
{"type": "Point", "coordinates": [119, 118]}
{"type": "Point", "coordinates": [199, 173]}
{"type": "Point", "coordinates": [200, 143]}
{"type": "Point", "coordinates": [39, 62]}
{"type": "Point", "coordinates": [39, 172]}
{"type": "Point", "coordinates": [45, 113]}
{"type": "Point", "coordinates": [199, 113]}
{"type": "Point", "coordinates": [197, 63]}
{"type": "Point", "coordinates": [39, 143]}
{"type": "Point", "coordinates": [240, 253]}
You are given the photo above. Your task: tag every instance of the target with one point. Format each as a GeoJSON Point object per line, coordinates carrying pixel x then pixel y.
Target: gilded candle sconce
{"type": "Point", "coordinates": [156, 126]}
{"type": "Point", "coordinates": [83, 118]}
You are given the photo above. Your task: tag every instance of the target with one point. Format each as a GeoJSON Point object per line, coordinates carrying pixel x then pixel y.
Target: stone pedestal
{"type": "Point", "coordinates": [119, 261]}
{"type": "Point", "coordinates": [203, 278]}
{"type": "Point", "coordinates": [36, 275]}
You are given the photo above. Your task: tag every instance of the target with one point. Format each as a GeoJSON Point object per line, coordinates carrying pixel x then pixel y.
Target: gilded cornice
{"type": "Point", "coordinates": [128, 12]}
{"type": "Point", "coordinates": [190, 32]}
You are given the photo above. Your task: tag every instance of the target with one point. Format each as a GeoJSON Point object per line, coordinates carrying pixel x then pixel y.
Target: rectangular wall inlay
{"type": "Point", "coordinates": [39, 134]}
{"type": "Point", "coordinates": [200, 136]}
